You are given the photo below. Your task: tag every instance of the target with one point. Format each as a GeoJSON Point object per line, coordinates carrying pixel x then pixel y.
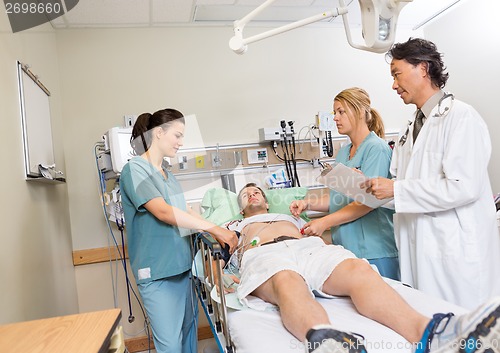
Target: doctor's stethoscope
{"type": "Point", "coordinates": [442, 112]}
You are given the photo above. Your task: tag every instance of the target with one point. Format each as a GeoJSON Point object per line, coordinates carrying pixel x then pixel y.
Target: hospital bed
{"type": "Point", "coordinates": [243, 330]}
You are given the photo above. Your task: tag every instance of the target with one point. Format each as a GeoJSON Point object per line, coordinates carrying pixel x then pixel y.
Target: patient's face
{"type": "Point", "coordinates": [252, 200]}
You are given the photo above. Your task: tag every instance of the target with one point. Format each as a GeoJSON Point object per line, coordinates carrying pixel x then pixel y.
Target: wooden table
{"type": "Point", "coordinates": [85, 333]}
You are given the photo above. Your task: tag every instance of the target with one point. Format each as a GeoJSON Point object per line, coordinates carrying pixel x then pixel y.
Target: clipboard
{"type": "Point", "coordinates": [347, 181]}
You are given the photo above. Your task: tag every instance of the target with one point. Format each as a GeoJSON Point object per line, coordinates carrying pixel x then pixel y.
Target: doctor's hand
{"type": "Point", "coordinates": [381, 188]}
{"type": "Point", "coordinates": [315, 227]}
{"type": "Point", "coordinates": [298, 206]}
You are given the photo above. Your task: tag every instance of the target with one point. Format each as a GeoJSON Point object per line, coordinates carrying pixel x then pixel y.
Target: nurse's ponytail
{"type": "Point", "coordinates": [139, 140]}
{"type": "Point", "coordinates": [375, 123]}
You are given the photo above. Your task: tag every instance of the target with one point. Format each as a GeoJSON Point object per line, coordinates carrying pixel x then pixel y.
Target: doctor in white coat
{"type": "Point", "coordinates": [445, 221]}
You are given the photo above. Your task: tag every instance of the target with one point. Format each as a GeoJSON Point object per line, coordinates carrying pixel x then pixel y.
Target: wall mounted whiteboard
{"type": "Point", "coordinates": [36, 123]}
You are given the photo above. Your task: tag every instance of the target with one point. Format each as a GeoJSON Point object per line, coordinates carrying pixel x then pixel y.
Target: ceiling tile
{"type": "Point", "coordinates": [133, 13]}
{"type": "Point", "coordinates": [215, 2]}
{"type": "Point", "coordinates": [172, 11]}
{"type": "Point", "coordinates": [217, 13]}
{"type": "Point", "coordinates": [108, 13]}
{"type": "Point", "coordinates": [276, 3]}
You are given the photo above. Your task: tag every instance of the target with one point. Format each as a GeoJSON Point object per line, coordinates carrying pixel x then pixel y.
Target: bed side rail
{"type": "Point", "coordinates": [212, 255]}
{"type": "Point", "coordinates": [212, 244]}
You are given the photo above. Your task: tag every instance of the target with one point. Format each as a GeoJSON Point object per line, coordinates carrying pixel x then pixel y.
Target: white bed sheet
{"type": "Point", "coordinates": [255, 331]}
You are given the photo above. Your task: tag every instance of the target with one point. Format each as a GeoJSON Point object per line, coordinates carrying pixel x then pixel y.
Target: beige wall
{"type": "Point", "coordinates": [97, 76]}
{"type": "Point", "coordinates": [36, 269]}
{"type": "Point", "coordinates": [108, 73]}
{"type": "Point", "coordinates": [471, 51]}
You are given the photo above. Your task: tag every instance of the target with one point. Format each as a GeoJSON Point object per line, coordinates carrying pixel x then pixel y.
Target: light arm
{"type": "Point", "coordinates": [240, 45]}
{"type": "Point", "coordinates": [379, 18]}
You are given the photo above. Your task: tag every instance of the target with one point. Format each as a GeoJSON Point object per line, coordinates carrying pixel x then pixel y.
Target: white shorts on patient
{"type": "Point", "coordinates": [309, 257]}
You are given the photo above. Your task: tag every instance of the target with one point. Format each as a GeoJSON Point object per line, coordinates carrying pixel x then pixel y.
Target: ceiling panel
{"type": "Point", "coordinates": [133, 13]}
{"type": "Point", "coordinates": [172, 11]}
{"type": "Point", "coordinates": [106, 13]}
{"type": "Point", "coordinates": [217, 13]}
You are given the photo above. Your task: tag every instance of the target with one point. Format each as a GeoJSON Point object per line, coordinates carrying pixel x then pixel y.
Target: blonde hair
{"type": "Point", "coordinates": [358, 100]}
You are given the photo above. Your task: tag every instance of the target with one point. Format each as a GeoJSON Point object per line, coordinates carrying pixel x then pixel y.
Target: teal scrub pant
{"type": "Point", "coordinates": [172, 310]}
{"type": "Point", "coordinates": [387, 267]}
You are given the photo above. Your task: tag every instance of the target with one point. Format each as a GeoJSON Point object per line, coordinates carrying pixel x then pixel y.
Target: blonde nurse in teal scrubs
{"type": "Point", "coordinates": [367, 232]}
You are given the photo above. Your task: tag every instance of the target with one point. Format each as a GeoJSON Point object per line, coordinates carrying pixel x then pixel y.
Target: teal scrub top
{"type": "Point", "coordinates": [371, 236]}
{"type": "Point", "coordinates": [156, 249]}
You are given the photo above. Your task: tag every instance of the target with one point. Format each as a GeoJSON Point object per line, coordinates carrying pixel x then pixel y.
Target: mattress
{"type": "Point", "coordinates": [255, 331]}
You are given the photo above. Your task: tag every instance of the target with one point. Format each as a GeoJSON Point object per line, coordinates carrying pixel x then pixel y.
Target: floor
{"type": "Point", "coordinates": [207, 346]}
{"type": "Point", "coordinates": [204, 346]}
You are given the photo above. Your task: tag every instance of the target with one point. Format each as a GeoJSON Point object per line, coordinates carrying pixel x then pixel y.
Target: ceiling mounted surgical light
{"type": "Point", "coordinates": [379, 18]}
{"type": "Point", "coordinates": [384, 28]}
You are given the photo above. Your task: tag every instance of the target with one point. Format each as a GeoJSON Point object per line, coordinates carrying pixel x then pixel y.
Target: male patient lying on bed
{"type": "Point", "coordinates": [282, 267]}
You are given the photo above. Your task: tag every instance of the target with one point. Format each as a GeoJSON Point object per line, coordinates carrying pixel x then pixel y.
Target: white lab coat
{"type": "Point", "coordinates": [445, 221]}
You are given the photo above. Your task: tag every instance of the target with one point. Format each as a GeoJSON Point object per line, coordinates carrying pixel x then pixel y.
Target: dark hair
{"type": "Point", "coordinates": [416, 51]}
{"type": "Point", "coordinates": [250, 185]}
{"type": "Point", "coordinates": [358, 100]}
{"type": "Point", "coordinates": [146, 122]}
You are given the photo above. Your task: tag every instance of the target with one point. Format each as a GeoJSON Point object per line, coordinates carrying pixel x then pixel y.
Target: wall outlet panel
{"type": "Point", "coordinates": [258, 155]}
{"type": "Point", "coordinates": [216, 159]}
{"type": "Point", "coordinates": [199, 161]}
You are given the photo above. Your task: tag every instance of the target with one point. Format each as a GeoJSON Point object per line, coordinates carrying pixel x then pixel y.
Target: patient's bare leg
{"type": "Point", "coordinates": [375, 299]}
{"type": "Point", "coordinates": [299, 311]}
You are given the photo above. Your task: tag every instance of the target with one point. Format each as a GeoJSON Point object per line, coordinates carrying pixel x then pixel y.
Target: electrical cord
{"type": "Point", "coordinates": [273, 147]}
{"type": "Point", "coordinates": [287, 153]}
{"type": "Point", "coordinates": [102, 190]}
{"type": "Point", "coordinates": [309, 128]}
{"type": "Point", "coordinates": [296, 181]}
{"type": "Point", "coordinates": [121, 227]}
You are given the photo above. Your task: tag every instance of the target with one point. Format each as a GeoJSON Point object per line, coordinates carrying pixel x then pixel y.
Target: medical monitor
{"type": "Point", "coordinates": [117, 139]}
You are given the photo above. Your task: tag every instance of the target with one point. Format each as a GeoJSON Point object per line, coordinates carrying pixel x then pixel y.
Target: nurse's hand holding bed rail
{"type": "Point", "coordinates": [224, 236]}
{"type": "Point", "coordinates": [381, 188]}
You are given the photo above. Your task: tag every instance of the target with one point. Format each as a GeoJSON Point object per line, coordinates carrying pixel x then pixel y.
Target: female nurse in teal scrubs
{"type": "Point", "coordinates": [158, 223]}
{"type": "Point", "coordinates": [367, 232]}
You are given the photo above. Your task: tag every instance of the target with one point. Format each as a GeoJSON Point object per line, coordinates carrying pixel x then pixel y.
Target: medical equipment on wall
{"type": "Point", "coordinates": [117, 151]}
{"type": "Point", "coordinates": [325, 126]}
{"type": "Point", "coordinates": [443, 108]}
{"type": "Point", "coordinates": [289, 150]}
{"type": "Point", "coordinates": [379, 19]}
